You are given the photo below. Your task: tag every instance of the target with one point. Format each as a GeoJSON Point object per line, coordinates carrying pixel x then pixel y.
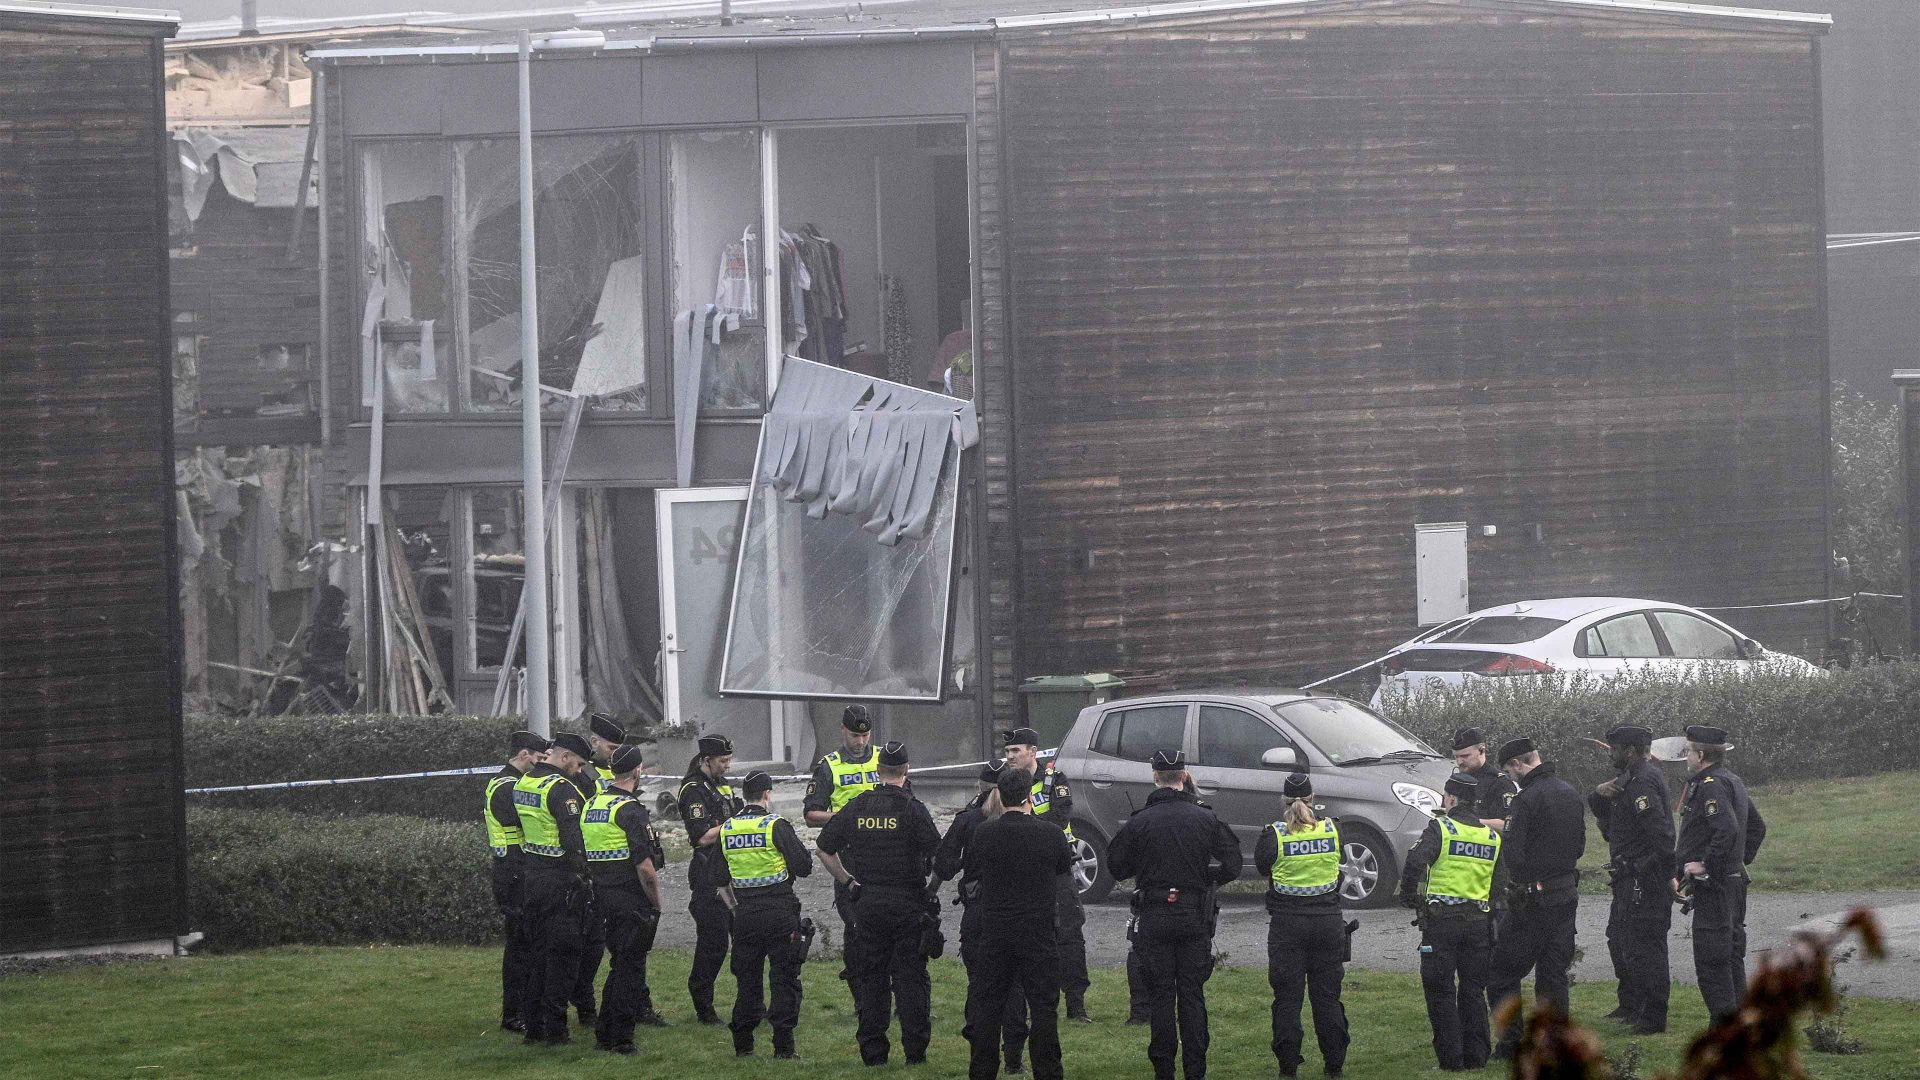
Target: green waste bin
{"type": "Point", "coordinates": [1053, 702]}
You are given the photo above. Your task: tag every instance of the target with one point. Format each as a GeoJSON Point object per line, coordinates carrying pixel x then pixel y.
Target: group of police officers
{"type": "Point", "coordinates": [1493, 880]}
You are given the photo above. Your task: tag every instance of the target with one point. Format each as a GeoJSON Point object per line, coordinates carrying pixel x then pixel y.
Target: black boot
{"type": "Point", "coordinates": [650, 1018]}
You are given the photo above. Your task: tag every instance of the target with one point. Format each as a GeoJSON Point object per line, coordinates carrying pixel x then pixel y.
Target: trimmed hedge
{"type": "Point", "coordinates": [224, 751]}
{"type": "Point", "coordinates": [269, 877]}
{"type": "Point", "coordinates": [1784, 727]}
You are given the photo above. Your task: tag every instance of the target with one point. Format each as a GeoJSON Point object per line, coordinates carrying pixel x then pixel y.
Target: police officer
{"type": "Point", "coordinates": [504, 838]}
{"type": "Point", "coordinates": [624, 857]}
{"type": "Point", "coordinates": [763, 855]}
{"type": "Point", "coordinates": [948, 861]}
{"type": "Point", "coordinates": [1019, 955]}
{"type": "Point", "coordinates": [555, 887]}
{"type": "Point", "coordinates": [706, 802]}
{"type": "Point", "coordinates": [1299, 855]}
{"type": "Point", "coordinates": [1179, 852]}
{"type": "Point", "coordinates": [603, 736]}
{"type": "Point", "coordinates": [1720, 833]}
{"type": "Point", "coordinates": [837, 779]}
{"type": "Point", "coordinates": [1545, 836]}
{"type": "Point", "coordinates": [1452, 875]}
{"type": "Point", "coordinates": [1495, 790]}
{"type": "Point", "coordinates": [1053, 803]}
{"type": "Point", "coordinates": [880, 847]}
{"type": "Point", "coordinates": [1636, 819]}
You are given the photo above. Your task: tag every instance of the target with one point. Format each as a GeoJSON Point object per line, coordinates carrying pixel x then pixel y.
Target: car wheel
{"type": "Point", "coordinates": [1366, 869]}
{"type": "Point", "coordinates": [1090, 874]}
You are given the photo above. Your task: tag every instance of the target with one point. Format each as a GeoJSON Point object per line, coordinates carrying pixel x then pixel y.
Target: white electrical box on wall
{"type": "Point", "coordinates": [1440, 571]}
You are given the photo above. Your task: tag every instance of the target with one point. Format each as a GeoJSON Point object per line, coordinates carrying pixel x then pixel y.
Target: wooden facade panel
{"type": "Point", "coordinates": [1284, 287]}
{"type": "Point", "coordinates": [94, 846]}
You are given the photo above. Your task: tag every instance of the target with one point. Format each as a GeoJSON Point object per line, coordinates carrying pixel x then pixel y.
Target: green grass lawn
{"type": "Point", "coordinates": [1813, 837]}
{"type": "Point", "coordinates": [429, 1013]}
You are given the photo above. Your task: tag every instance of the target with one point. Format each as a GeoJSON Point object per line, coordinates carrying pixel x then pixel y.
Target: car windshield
{"type": "Point", "coordinates": [1349, 734]}
{"type": "Point", "coordinates": [1498, 630]}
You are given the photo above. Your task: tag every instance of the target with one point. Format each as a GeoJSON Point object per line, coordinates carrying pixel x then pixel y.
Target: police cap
{"type": "Point", "coordinates": [527, 740]}
{"type": "Point", "coordinates": [1467, 737]}
{"type": "Point", "coordinates": [894, 754]}
{"type": "Point", "coordinates": [1629, 735]}
{"type": "Point", "coordinates": [1514, 748]}
{"type": "Point", "coordinates": [567, 740]}
{"type": "Point", "coordinates": [1020, 736]}
{"type": "Point", "coordinates": [1298, 786]}
{"type": "Point", "coordinates": [626, 759]}
{"type": "Point", "coordinates": [1169, 760]}
{"type": "Point", "coordinates": [606, 727]}
{"type": "Point", "coordinates": [857, 719]}
{"type": "Point", "coordinates": [756, 782]}
{"type": "Point", "coordinates": [715, 746]}
{"type": "Point", "coordinates": [1463, 786]}
{"type": "Point", "coordinates": [990, 772]}
{"type": "Point", "coordinates": [1710, 737]}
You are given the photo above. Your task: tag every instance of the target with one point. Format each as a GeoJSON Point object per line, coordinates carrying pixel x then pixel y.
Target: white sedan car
{"type": "Point", "coordinates": [1599, 636]}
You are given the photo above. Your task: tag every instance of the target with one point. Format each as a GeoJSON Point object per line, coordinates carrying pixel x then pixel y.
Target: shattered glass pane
{"type": "Point", "coordinates": [588, 242]}
{"type": "Point", "coordinates": [498, 572]}
{"type": "Point", "coordinates": [822, 609]}
{"type": "Point", "coordinates": [403, 267]}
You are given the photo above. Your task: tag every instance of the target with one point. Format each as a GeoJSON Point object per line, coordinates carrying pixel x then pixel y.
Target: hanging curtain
{"type": "Point", "coordinates": [616, 679]}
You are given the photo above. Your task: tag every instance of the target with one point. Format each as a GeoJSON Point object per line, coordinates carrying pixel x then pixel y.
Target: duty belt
{"type": "Point", "coordinates": [1549, 884]}
{"type": "Point", "coordinates": [550, 850]}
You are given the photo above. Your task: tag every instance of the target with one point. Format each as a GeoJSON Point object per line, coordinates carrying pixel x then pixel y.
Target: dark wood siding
{"type": "Point", "coordinates": [92, 850]}
{"type": "Point", "coordinates": [1286, 286]}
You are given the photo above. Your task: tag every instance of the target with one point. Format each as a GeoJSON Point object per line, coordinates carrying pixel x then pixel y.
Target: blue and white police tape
{"type": "Point", "coordinates": [479, 770]}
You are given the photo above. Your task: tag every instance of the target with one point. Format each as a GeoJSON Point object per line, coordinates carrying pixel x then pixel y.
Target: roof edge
{"type": "Point", "coordinates": [1811, 20]}
{"type": "Point", "coordinates": [83, 11]}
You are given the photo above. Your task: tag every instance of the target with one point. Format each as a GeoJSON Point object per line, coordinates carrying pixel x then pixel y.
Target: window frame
{"type": "Point", "coordinates": [1108, 717]}
{"type": "Point", "coordinates": [1666, 643]}
{"type": "Point", "coordinates": [1659, 640]}
{"type": "Point", "coordinates": [1284, 737]}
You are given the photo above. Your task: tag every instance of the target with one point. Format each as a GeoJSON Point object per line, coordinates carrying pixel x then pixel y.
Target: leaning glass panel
{"type": "Point", "coordinates": [589, 263]}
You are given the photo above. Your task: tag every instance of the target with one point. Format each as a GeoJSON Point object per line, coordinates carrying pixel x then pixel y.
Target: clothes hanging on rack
{"type": "Point", "coordinates": [813, 290]}
{"type": "Point", "coordinates": [738, 290]}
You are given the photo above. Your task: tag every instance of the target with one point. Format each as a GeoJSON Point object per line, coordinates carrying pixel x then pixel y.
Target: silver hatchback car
{"type": "Point", "coordinates": [1372, 776]}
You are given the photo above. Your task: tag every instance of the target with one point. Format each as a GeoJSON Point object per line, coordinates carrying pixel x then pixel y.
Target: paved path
{"type": "Point", "coordinates": [1386, 941]}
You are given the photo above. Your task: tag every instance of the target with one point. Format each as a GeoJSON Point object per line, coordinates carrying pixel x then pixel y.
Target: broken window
{"type": "Point", "coordinates": [403, 262]}
{"type": "Point", "coordinates": [497, 572]}
{"type": "Point", "coordinates": [588, 230]}
{"type": "Point", "coordinates": [845, 576]}
{"type": "Point", "coordinates": [713, 180]}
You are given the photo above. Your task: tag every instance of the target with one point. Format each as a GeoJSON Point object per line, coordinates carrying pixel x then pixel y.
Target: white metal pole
{"type": "Point", "coordinates": [533, 533]}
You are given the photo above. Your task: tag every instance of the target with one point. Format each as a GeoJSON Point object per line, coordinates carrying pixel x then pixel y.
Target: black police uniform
{"type": "Point", "coordinates": [819, 799]}
{"type": "Point", "coordinates": [887, 839]}
{"type": "Point", "coordinates": [948, 861]}
{"type": "Point", "coordinates": [705, 803]}
{"type": "Point", "coordinates": [1306, 960]}
{"type": "Point", "coordinates": [553, 903]}
{"type": "Point", "coordinates": [1179, 852]}
{"type": "Point", "coordinates": [1541, 846]}
{"type": "Point", "coordinates": [768, 938]}
{"type": "Point", "coordinates": [593, 943]}
{"type": "Point", "coordinates": [1456, 950]}
{"type": "Point", "coordinates": [1637, 823]}
{"type": "Point", "coordinates": [1069, 914]}
{"type": "Point", "coordinates": [629, 920]}
{"type": "Point", "coordinates": [1720, 828]}
{"type": "Point", "coordinates": [506, 868]}
{"type": "Point", "coordinates": [1019, 956]}
{"type": "Point", "coordinates": [1494, 793]}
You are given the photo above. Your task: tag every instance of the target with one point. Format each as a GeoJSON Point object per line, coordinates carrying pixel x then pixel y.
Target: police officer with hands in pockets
{"type": "Point", "coordinates": [1019, 955]}
{"type": "Point", "coordinates": [1052, 802]}
{"type": "Point", "coordinates": [1720, 833]}
{"type": "Point", "coordinates": [763, 855]}
{"type": "Point", "coordinates": [1635, 815]}
{"type": "Point", "coordinates": [1299, 855]}
{"type": "Point", "coordinates": [706, 802]}
{"type": "Point", "coordinates": [1451, 878]}
{"type": "Point", "coordinates": [1179, 853]}
{"type": "Point", "coordinates": [624, 857]}
{"type": "Point", "coordinates": [950, 860]}
{"type": "Point", "coordinates": [880, 846]}
{"type": "Point", "coordinates": [556, 890]}
{"type": "Point", "coordinates": [504, 839]}
{"type": "Point", "coordinates": [1545, 836]}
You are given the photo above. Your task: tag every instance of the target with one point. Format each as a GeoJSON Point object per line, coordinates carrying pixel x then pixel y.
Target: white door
{"type": "Point", "coordinates": [699, 531]}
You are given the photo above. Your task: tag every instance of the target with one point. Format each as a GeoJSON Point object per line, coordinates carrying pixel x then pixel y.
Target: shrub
{"type": "Point", "coordinates": [266, 877]}
{"type": "Point", "coordinates": [1784, 726]}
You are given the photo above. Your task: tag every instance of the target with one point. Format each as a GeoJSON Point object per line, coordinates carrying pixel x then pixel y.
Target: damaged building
{"type": "Point", "coordinates": [1240, 296]}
